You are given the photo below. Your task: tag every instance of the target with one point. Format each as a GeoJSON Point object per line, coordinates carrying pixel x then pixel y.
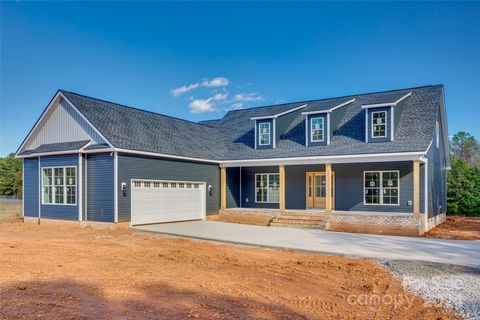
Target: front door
{"type": "Point", "coordinates": [317, 190]}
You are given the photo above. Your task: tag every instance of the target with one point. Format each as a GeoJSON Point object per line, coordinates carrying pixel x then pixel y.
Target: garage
{"type": "Point", "coordinates": [157, 201]}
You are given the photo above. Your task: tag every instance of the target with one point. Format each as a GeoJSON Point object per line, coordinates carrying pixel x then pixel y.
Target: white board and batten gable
{"type": "Point", "coordinates": [61, 122]}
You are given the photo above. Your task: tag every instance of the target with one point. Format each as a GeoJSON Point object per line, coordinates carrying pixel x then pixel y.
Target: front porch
{"type": "Point", "coordinates": [327, 196]}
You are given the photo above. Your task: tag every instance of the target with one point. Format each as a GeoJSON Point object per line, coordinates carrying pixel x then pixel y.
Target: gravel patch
{"type": "Point", "coordinates": [456, 287]}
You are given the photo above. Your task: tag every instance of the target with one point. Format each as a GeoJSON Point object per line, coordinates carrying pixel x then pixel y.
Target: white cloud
{"type": "Point", "coordinates": [214, 83]}
{"type": "Point", "coordinates": [183, 89]}
{"type": "Point", "coordinates": [236, 106]}
{"type": "Point", "coordinates": [247, 97]}
{"type": "Point", "coordinates": [206, 105]}
{"type": "Point", "coordinates": [201, 106]}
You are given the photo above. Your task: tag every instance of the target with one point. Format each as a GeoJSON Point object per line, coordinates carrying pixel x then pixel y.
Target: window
{"type": "Point", "coordinates": [316, 125]}
{"type": "Point", "coordinates": [379, 124]}
{"type": "Point", "coordinates": [437, 134]}
{"type": "Point", "coordinates": [165, 184]}
{"type": "Point", "coordinates": [59, 185]}
{"type": "Point", "coordinates": [381, 187]}
{"type": "Point", "coordinates": [267, 187]}
{"type": "Point", "coordinates": [264, 134]}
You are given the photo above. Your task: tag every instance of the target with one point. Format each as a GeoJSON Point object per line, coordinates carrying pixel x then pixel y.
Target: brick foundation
{"type": "Point", "coordinates": [405, 225]}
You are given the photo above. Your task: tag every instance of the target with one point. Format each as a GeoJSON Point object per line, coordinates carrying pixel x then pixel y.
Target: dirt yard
{"type": "Point", "coordinates": [67, 272]}
{"type": "Point", "coordinates": [457, 228]}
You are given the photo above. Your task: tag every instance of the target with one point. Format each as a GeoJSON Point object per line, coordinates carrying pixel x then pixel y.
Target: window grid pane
{"type": "Point", "coordinates": [379, 124]}
{"type": "Point", "coordinates": [267, 187]}
{"type": "Point", "coordinates": [317, 129]}
{"type": "Point", "coordinates": [264, 134]}
{"type": "Point", "coordinates": [381, 188]}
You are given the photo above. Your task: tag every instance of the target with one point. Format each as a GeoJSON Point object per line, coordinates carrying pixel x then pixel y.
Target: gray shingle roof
{"type": "Point", "coordinates": [232, 137]}
{"type": "Point", "coordinates": [55, 147]}
{"type": "Point", "coordinates": [135, 129]}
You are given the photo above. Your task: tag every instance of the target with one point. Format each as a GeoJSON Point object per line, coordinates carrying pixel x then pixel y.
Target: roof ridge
{"type": "Point", "coordinates": [134, 108]}
{"type": "Point", "coordinates": [346, 96]}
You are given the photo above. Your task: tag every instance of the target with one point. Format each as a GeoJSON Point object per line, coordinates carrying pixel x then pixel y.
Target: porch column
{"type": "Point", "coordinates": [281, 196]}
{"type": "Point", "coordinates": [328, 189]}
{"type": "Point", "coordinates": [416, 188]}
{"type": "Point", "coordinates": [223, 188]}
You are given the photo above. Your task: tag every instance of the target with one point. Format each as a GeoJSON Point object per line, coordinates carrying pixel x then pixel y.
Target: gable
{"type": "Point", "coordinates": [60, 123]}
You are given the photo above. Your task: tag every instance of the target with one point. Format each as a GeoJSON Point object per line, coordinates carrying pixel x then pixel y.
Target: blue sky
{"type": "Point", "coordinates": [232, 55]}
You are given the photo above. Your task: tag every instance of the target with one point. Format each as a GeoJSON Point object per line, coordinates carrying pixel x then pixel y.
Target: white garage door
{"type": "Point", "coordinates": [155, 201]}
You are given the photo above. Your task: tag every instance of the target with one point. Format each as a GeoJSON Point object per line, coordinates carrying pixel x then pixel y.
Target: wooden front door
{"type": "Point", "coordinates": [317, 190]}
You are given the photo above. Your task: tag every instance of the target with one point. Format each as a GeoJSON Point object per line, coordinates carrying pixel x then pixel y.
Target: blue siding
{"type": "Point", "coordinates": [31, 187]}
{"type": "Point", "coordinates": [349, 186]}
{"type": "Point", "coordinates": [325, 132]}
{"type": "Point", "coordinates": [248, 187]}
{"type": "Point", "coordinates": [233, 187]}
{"type": "Point", "coordinates": [437, 176]}
{"type": "Point", "coordinates": [62, 212]}
{"type": "Point", "coordinates": [388, 110]}
{"type": "Point", "coordinates": [100, 180]}
{"type": "Point", "coordinates": [137, 167]}
{"type": "Point", "coordinates": [270, 146]}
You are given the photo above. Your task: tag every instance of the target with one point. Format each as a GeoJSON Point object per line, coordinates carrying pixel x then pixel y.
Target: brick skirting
{"type": "Point", "coordinates": [405, 225]}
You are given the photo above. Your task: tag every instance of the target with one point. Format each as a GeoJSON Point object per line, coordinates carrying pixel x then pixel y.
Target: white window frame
{"type": "Point", "coordinates": [437, 134]}
{"type": "Point", "coordinates": [260, 133]}
{"type": "Point", "coordinates": [381, 188]}
{"type": "Point", "coordinates": [53, 203]}
{"type": "Point", "coordinates": [311, 129]}
{"type": "Point", "coordinates": [268, 186]}
{"type": "Point", "coordinates": [385, 124]}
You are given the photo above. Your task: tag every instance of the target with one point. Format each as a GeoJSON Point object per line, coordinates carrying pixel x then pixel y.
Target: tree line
{"type": "Point", "coordinates": [463, 183]}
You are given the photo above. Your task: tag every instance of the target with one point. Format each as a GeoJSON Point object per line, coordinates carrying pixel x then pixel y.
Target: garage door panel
{"type": "Point", "coordinates": [155, 201]}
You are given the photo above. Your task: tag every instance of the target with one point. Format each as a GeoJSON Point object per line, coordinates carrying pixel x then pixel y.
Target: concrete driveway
{"type": "Point", "coordinates": [460, 252]}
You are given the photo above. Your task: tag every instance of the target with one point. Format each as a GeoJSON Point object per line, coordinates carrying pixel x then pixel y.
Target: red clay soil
{"type": "Point", "coordinates": [67, 272]}
{"type": "Point", "coordinates": [457, 228]}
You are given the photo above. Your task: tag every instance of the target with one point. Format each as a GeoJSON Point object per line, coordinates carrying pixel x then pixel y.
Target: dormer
{"type": "Point", "coordinates": [380, 120]}
{"type": "Point", "coordinates": [269, 128]}
{"type": "Point", "coordinates": [319, 124]}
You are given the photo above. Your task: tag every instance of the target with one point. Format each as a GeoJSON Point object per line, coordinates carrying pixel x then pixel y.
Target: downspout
{"type": "Point", "coordinates": [86, 187]}
{"type": "Point", "coordinates": [39, 190]}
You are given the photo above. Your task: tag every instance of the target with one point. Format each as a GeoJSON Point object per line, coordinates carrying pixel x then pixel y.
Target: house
{"type": "Point", "coordinates": [373, 162]}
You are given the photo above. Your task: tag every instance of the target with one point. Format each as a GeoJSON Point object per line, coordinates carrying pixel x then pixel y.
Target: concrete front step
{"type": "Point", "coordinates": [290, 225]}
{"type": "Point", "coordinates": [298, 221]}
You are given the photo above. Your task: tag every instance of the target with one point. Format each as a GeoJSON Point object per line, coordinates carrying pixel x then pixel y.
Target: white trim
{"type": "Point", "coordinates": [426, 186]}
{"type": "Point", "coordinates": [115, 186]}
{"type": "Point", "coordinates": [80, 187]}
{"type": "Point", "coordinates": [429, 145]}
{"type": "Point", "coordinates": [443, 118]}
{"type": "Point", "coordinates": [86, 187]}
{"type": "Point", "coordinates": [274, 116]}
{"type": "Point", "coordinates": [381, 188]}
{"type": "Point", "coordinates": [311, 129]}
{"type": "Point", "coordinates": [392, 125]}
{"type": "Point", "coordinates": [255, 134]}
{"type": "Point", "coordinates": [437, 134]}
{"type": "Point", "coordinates": [386, 104]}
{"type": "Point", "coordinates": [385, 124]}
{"type": "Point", "coordinates": [306, 131]}
{"type": "Point", "coordinates": [269, 134]}
{"type": "Point", "coordinates": [268, 186]}
{"type": "Point", "coordinates": [23, 188]}
{"type": "Point", "coordinates": [44, 114]}
{"type": "Point", "coordinates": [64, 186]}
{"type": "Point", "coordinates": [328, 110]}
{"type": "Point", "coordinates": [374, 157]}
{"type": "Point", "coordinates": [274, 132]}
{"type": "Point", "coordinates": [39, 190]}
{"type": "Point", "coordinates": [366, 126]}
{"type": "Point", "coordinates": [161, 155]}
{"type": "Point", "coordinates": [328, 129]}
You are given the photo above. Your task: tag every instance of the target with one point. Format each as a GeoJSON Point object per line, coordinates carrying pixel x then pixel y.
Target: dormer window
{"type": "Point", "coordinates": [317, 129]}
{"type": "Point", "coordinates": [379, 124]}
{"type": "Point", "coordinates": [264, 134]}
